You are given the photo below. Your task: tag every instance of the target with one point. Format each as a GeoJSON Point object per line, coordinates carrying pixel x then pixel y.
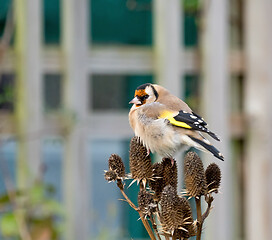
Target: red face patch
{"type": "Point", "coordinates": [141, 94]}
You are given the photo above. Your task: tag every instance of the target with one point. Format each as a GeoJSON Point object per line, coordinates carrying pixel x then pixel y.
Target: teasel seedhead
{"type": "Point", "coordinates": [194, 176]}
{"type": "Point", "coordinates": [146, 203]}
{"type": "Point", "coordinates": [139, 161]}
{"type": "Point", "coordinates": [171, 213]}
{"type": "Point", "coordinates": [170, 173]}
{"type": "Point", "coordinates": [110, 175]}
{"type": "Point", "coordinates": [156, 183]}
{"type": "Point", "coordinates": [187, 228]}
{"type": "Point", "coordinates": [213, 178]}
{"type": "Point", "coordinates": [116, 164]}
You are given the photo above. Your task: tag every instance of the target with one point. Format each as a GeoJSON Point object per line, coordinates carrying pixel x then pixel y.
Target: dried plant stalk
{"type": "Point", "coordinates": [163, 203]}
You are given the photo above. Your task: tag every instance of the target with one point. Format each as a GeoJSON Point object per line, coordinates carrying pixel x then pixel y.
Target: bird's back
{"type": "Point", "coordinates": [170, 101]}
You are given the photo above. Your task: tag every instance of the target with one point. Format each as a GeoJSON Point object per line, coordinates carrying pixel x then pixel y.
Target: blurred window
{"type": "Point", "coordinates": [4, 6]}
{"type": "Point", "coordinates": [8, 153]}
{"type": "Point", "coordinates": [51, 21]}
{"type": "Point", "coordinates": [191, 20]}
{"type": "Point", "coordinates": [52, 155]}
{"type": "Point", "coordinates": [7, 176]}
{"type": "Point", "coordinates": [114, 91]}
{"type": "Point", "coordinates": [52, 92]}
{"type": "Point", "coordinates": [237, 93]}
{"type": "Point", "coordinates": [190, 35]}
{"type": "Point", "coordinates": [7, 92]}
{"type": "Point", "coordinates": [121, 22]}
{"type": "Point", "coordinates": [191, 94]}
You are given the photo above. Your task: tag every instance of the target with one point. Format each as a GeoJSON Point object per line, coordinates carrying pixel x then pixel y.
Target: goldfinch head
{"type": "Point", "coordinates": [145, 93]}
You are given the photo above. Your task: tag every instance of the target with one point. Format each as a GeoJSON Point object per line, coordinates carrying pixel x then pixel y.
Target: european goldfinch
{"type": "Point", "coordinates": [165, 124]}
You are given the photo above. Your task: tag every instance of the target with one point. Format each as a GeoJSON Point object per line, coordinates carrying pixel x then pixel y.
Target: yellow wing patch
{"type": "Point", "coordinates": [170, 116]}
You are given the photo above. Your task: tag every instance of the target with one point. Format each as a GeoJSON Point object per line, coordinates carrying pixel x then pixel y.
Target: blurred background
{"type": "Point", "coordinates": [68, 69]}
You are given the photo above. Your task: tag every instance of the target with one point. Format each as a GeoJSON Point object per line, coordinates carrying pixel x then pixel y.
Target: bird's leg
{"type": "Point", "coordinates": [172, 161]}
{"type": "Point", "coordinates": [148, 152]}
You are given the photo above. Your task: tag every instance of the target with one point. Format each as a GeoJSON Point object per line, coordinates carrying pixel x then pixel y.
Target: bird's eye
{"type": "Point", "coordinates": [145, 97]}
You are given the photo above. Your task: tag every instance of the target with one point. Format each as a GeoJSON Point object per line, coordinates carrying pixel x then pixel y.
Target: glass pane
{"type": "Point", "coordinates": [7, 92]}
{"type": "Point", "coordinates": [192, 97]}
{"type": "Point", "coordinates": [4, 7]}
{"type": "Point", "coordinates": [114, 91]}
{"type": "Point", "coordinates": [111, 218]}
{"type": "Point", "coordinates": [237, 93]}
{"type": "Point", "coordinates": [7, 176]}
{"type": "Point", "coordinates": [52, 155]}
{"type": "Point", "coordinates": [7, 165]}
{"type": "Point", "coordinates": [190, 22]}
{"type": "Point", "coordinates": [236, 18]}
{"type": "Point", "coordinates": [190, 30]}
{"type": "Point", "coordinates": [121, 22]}
{"type": "Point", "coordinates": [52, 92]}
{"type": "Point", "coordinates": [51, 21]}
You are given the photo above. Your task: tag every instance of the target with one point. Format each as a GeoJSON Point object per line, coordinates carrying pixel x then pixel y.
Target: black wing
{"type": "Point", "coordinates": [195, 121]}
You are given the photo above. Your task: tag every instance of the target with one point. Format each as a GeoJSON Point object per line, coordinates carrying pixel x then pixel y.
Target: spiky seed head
{"type": "Point", "coordinates": [188, 221]}
{"type": "Point", "coordinates": [146, 203]}
{"type": "Point", "coordinates": [213, 177]}
{"type": "Point", "coordinates": [170, 173]}
{"type": "Point", "coordinates": [116, 164]}
{"type": "Point", "coordinates": [139, 160]}
{"type": "Point", "coordinates": [110, 175]}
{"type": "Point", "coordinates": [171, 214]}
{"type": "Point", "coordinates": [194, 176]}
{"type": "Point", "coordinates": [156, 182]}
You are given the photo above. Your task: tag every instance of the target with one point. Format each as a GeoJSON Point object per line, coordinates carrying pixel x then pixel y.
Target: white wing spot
{"type": "Point", "coordinates": [193, 117]}
{"type": "Point", "coordinates": [200, 121]}
{"type": "Point", "coordinates": [196, 123]}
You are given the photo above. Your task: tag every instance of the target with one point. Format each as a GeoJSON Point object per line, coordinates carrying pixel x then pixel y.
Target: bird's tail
{"type": "Point", "coordinates": [208, 147]}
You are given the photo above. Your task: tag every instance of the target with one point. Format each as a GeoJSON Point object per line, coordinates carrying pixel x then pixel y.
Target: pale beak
{"type": "Point", "coordinates": [135, 101]}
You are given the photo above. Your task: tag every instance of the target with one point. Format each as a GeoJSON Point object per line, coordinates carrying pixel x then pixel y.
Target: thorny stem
{"type": "Point", "coordinates": [199, 218]}
{"type": "Point", "coordinates": [159, 218]}
{"type": "Point", "coordinates": [154, 225]}
{"type": "Point", "coordinates": [144, 221]}
{"type": "Point", "coordinates": [209, 200]}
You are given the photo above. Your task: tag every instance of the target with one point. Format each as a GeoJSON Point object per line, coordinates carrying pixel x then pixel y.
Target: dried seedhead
{"type": "Point", "coordinates": [156, 183]}
{"type": "Point", "coordinates": [116, 164]}
{"type": "Point", "coordinates": [146, 203]}
{"type": "Point", "coordinates": [110, 175]}
{"type": "Point", "coordinates": [171, 213]}
{"type": "Point", "coordinates": [164, 173]}
{"type": "Point", "coordinates": [213, 178]}
{"type": "Point", "coordinates": [194, 176]}
{"type": "Point", "coordinates": [139, 160]}
{"type": "Point", "coordinates": [187, 227]}
{"type": "Point", "coordinates": [170, 173]}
